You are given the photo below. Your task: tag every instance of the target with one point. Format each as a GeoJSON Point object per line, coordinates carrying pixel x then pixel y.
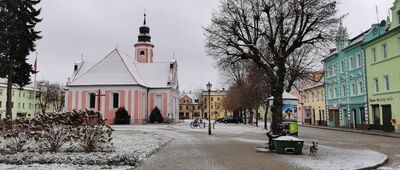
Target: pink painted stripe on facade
{"type": "Point", "coordinates": [122, 98]}
{"type": "Point", "coordinates": [129, 102]}
{"type": "Point", "coordinates": [151, 101]}
{"type": "Point", "coordinates": [84, 94]}
{"type": "Point", "coordinates": [165, 105]}
{"type": "Point", "coordinates": [107, 107]}
{"type": "Point", "coordinates": [76, 100]}
{"type": "Point", "coordinates": [69, 101]}
{"type": "Point", "coordinates": [136, 117]}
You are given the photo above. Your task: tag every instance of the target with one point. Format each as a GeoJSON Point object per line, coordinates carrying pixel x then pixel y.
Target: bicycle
{"type": "Point", "coordinates": [197, 123]}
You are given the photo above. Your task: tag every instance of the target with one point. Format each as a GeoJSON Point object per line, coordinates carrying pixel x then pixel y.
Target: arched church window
{"type": "Point", "coordinates": [115, 99]}
{"type": "Point", "coordinates": [92, 100]}
{"type": "Point", "coordinates": [142, 54]}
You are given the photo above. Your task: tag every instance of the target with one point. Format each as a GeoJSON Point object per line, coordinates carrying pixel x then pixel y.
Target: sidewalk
{"type": "Point", "coordinates": [368, 132]}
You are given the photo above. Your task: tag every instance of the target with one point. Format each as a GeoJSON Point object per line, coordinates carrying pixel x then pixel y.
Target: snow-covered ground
{"type": "Point", "coordinates": [129, 148]}
{"type": "Point", "coordinates": [336, 158]}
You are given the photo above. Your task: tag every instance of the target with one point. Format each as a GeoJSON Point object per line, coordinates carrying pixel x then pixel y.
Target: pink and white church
{"type": "Point", "coordinates": [134, 82]}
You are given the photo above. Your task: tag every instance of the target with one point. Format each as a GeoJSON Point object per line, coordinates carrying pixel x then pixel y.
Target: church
{"type": "Point", "coordinates": [134, 82]}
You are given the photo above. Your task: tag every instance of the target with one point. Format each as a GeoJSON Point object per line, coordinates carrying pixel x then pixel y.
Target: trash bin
{"type": "Point", "coordinates": [288, 145]}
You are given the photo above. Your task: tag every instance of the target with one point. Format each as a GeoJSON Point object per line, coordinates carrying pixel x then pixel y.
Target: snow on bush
{"type": "Point", "coordinates": [92, 133]}
{"type": "Point", "coordinates": [52, 130]}
{"type": "Point", "coordinates": [129, 148]}
{"type": "Point", "coordinates": [16, 133]}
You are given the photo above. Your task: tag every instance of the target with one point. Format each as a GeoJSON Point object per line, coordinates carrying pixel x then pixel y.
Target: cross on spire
{"type": "Point", "coordinates": [144, 20]}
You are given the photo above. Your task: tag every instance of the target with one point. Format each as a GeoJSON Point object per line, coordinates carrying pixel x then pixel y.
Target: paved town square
{"type": "Point", "coordinates": [200, 84]}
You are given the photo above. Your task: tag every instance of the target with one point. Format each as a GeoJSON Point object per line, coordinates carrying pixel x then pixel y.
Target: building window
{"type": "Point", "coordinates": [360, 87]}
{"type": "Point", "coordinates": [376, 85]}
{"type": "Point", "coordinates": [322, 95]}
{"type": "Point", "coordinates": [341, 66]}
{"type": "Point", "coordinates": [336, 92]}
{"type": "Point", "coordinates": [115, 100]}
{"type": "Point", "coordinates": [343, 91]}
{"type": "Point", "coordinates": [376, 114]}
{"type": "Point", "coordinates": [92, 100]}
{"type": "Point", "coordinates": [317, 95]}
{"type": "Point", "coordinates": [386, 79]}
{"type": "Point", "coordinates": [358, 60]}
{"type": "Point", "coordinates": [1, 104]}
{"type": "Point", "coordinates": [212, 99]}
{"type": "Point", "coordinates": [384, 50]}
{"type": "Point", "coordinates": [351, 63]}
{"type": "Point", "coordinates": [333, 70]}
{"type": "Point", "coordinates": [353, 89]}
{"type": "Point", "coordinates": [19, 105]}
{"type": "Point", "coordinates": [312, 97]}
{"type": "Point", "coordinates": [373, 54]}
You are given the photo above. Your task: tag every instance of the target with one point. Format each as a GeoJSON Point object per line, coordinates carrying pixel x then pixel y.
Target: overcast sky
{"type": "Point", "coordinates": [93, 28]}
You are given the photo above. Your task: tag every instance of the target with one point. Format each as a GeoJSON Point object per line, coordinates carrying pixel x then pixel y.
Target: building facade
{"type": "Point", "coordinates": [345, 83]}
{"type": "Point", "coordinates": [136, 83]}
{"type": "Point", "coordinates": [23, 101]}
{"type": "Point", "coordinates": [313, 104]}
{"type": "Point", "coordinates": [190, 107]}
{"type": "Point", "coordinates": [383, 80]}
{"type": "Point", "coordinates": [216, 100]}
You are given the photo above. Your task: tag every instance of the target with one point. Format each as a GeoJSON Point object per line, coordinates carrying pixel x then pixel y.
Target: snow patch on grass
{"type": "Point", "coordinates": [129, 148]}
{"type": "Point", "coordinates": [336, 158]}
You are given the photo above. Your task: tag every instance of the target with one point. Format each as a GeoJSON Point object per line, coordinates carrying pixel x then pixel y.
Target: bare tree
{"type": "Point", "coordinates": [50, 95]}
{"type": "Point", "coordinates": [268, 32]}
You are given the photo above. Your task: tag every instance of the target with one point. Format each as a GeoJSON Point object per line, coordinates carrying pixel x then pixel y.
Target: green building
{"type": "Point", "coordinates": [22, 100]}
{"type": "Point", "coordinates": [345, 84]}
{"type": "Point", "coordinates": [383, 74]}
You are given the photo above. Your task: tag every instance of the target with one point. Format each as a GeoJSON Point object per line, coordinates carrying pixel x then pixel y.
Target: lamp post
{"type": "Point", "coordinates": [209, 110]}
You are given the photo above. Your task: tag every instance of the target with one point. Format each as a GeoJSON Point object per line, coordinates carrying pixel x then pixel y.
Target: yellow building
{"type": "Point", "coordinates": [314, 104]}
{"type": "Point", "coordinates": [217, 109]}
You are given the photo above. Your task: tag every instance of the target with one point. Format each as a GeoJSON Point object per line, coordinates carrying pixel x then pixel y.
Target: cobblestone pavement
{"type": "Point", "coordinates": [198, 150]}
{"type": "Point", "coordinates": [386, 145]}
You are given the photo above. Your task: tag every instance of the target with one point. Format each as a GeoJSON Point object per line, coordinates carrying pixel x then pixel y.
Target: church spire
{"type": "Point", "coordinates": [144, 48]}
{"type": "Point", "coordinates": [144, 20]}
{"type": "Point", "coordinates": [144, 31]}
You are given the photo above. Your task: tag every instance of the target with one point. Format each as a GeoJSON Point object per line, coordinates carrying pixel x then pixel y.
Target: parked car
{"type": "Point", "coordinates": [232, 119]}
{"type": "Point", "coordinates": [219, 120]}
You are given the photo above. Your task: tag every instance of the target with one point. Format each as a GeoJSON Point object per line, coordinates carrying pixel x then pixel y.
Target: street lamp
{"type": "Point", "coordinates": [209, 110]}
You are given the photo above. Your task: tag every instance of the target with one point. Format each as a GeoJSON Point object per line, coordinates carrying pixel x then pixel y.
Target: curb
{"type": "Point", "coordinates": [352, 131]}
{"type": "Point", "coordinates": [376, 166]}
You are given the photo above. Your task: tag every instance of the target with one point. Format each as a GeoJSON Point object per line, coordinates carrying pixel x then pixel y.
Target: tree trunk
{"type": "Point", "coordinates": [257, 117]}
{"type": "Point", "coordinates": [9, 88]}
{"type": "Point", "coordinates": [276, 109]}
{"type": "Point", "coordinates": [265, 118]}
{"type": "Point", "coordinates": [251, 116]}
{"type": "Point", "coordinates": [245, 116]}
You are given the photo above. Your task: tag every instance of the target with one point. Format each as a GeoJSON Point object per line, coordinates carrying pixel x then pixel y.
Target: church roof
{"type": "Point", "coordinates": [117, 69]}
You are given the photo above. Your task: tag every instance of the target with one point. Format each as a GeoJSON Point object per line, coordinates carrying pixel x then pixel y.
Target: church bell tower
{"type": "Point", "coordinates": [144, 48]}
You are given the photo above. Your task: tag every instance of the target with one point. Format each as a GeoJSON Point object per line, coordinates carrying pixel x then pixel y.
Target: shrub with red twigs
{"type": "Point", "coordinates": [16, 133]}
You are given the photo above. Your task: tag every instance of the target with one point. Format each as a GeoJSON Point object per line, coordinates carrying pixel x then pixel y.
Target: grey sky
{"type": "Point", "coordinates": [93, 28]}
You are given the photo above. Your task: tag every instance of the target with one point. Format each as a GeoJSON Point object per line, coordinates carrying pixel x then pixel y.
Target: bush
{"type": "Point", "coordinates": [93, 133]}
{"type": "Point", "coordinates": [16, 133]}
{"type": "Point", "coordinates": [156, 116]}
{"type": "Point", "coordinates": [52, 130]}
{"type": "Point", "coordinates": [121, 116]}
